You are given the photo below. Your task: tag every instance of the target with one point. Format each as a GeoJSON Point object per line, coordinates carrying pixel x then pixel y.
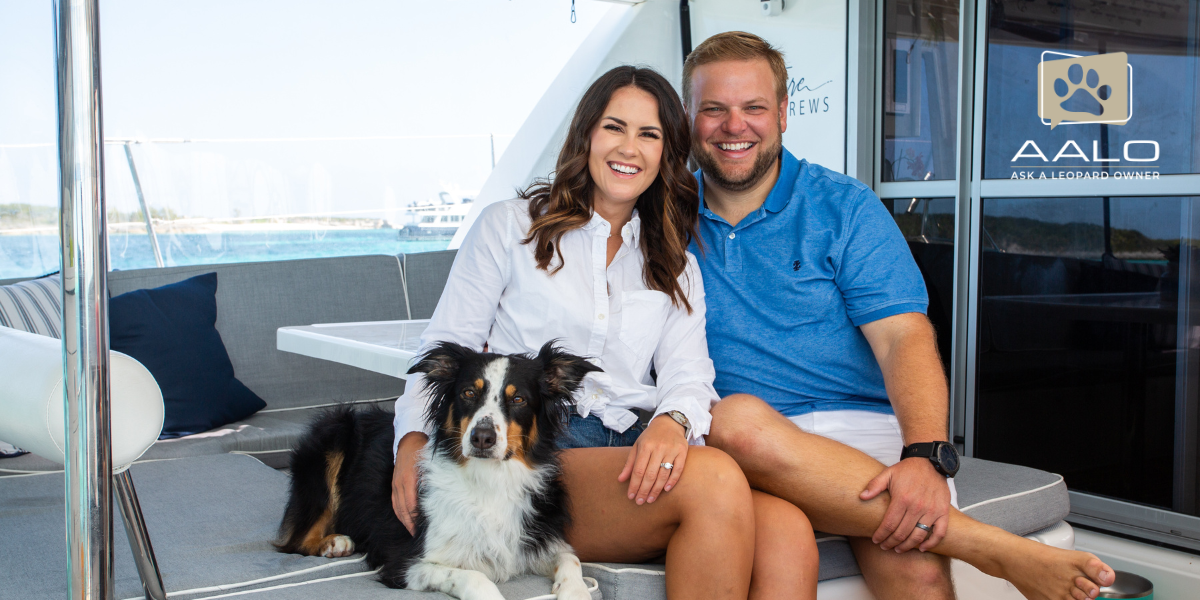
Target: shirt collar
{"type": "Point", "coordinates": [780, 195]}
{"type": "Point", "coordinates": [630, 234]}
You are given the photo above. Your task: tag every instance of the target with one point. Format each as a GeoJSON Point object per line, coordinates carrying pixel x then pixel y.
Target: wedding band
{"type": "Point", "coordinates": [927, 528]}
{"type": "Point", "coordinates": [667, 466]}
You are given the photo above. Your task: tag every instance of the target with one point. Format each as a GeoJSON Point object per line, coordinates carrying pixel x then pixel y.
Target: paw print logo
{"type": "Point", "coordinates": [1085, 89]}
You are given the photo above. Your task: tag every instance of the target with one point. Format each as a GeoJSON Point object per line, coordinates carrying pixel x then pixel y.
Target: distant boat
{"type": "Point", "coordinates": [435, 220]}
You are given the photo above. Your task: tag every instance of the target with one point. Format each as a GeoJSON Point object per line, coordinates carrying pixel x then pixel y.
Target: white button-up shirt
{"type": "Point", "coordinates": [496, 294]}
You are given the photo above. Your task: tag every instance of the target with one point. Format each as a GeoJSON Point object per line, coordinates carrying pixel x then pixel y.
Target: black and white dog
{"type": "Point", "coordinates": [490, 502]}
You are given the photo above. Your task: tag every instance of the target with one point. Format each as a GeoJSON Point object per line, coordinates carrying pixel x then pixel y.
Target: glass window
{"type": "Point", "coordinates": [1088, 335]}
{"type": "Point", "coordinates": [928, 225]}
{"type": "Point", "coordinates": [255, 131]}
{"type": "Point", "coordinates": [1101, 89]}
{"type": "Point", "coordinates": [920, 82]}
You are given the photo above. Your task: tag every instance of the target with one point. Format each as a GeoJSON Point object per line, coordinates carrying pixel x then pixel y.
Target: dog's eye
{"type": "Point", "coordinates": [518, 400]}
{"type": "Point", "coordinates": [469, 394]}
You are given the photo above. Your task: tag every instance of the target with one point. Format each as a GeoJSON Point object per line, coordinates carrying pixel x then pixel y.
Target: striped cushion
{"type": "Point", "coordinates": [34, 306]}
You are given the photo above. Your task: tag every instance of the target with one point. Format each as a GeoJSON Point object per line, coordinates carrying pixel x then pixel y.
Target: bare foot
{"type": "Point", "coordinates": [334, 546]}
{"type": "Point", "coordinates": [1042, 572]}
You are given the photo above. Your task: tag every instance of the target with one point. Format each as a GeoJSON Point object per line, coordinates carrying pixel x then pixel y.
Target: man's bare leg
{"type": "Point", "coordinates": [824, 478]}
{"type": "Point", "coordinates": [892, 576]}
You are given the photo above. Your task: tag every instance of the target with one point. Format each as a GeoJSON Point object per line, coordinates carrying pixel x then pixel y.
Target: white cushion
{"type": "Point", "coordinates": [32, 400]}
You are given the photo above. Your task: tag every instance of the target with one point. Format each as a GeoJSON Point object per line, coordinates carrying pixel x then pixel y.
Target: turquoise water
{"type": "Point", "coordinates": [33, 255]}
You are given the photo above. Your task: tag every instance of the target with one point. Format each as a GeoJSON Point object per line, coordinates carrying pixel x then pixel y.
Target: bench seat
{"type": "Point", "coordinates": [212, 518]}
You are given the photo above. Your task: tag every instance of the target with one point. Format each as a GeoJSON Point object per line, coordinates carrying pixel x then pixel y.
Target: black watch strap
{"type": "Point", "coordinates": [920, 450]}
{"type": "Point", "coordinates": [947, 465]}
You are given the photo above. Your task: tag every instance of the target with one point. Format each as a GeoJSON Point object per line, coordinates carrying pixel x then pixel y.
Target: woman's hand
{"type": "Point", "coordinates": [663, 441]}
{"type": "Point", "coordinates": [404, 478]}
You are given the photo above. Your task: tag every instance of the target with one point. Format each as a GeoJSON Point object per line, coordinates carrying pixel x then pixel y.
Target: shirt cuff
{"type": "Point", "coordinates": [696, 412]}
{"type": "Point", "coordinates": [409, 418]}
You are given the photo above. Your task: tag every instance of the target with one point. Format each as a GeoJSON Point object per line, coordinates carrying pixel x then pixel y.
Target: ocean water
{"type": "Point", "coordinates": [34, 255]}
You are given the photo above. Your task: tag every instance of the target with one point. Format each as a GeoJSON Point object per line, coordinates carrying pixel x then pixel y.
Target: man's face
{"type": "Point", "coordinates": [737, 122]}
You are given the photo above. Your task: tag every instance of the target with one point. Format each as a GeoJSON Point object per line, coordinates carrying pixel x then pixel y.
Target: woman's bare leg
{"type": "Point", "coordinates": [824, 479]}
{"type": "Point", "coordinates": [704, 525]}
{"type": "Point", "coordinates": [785, 551]}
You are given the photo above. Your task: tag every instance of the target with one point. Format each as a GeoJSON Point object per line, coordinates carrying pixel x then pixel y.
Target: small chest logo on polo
{"type": "Point", "coordinates": [795, 265]}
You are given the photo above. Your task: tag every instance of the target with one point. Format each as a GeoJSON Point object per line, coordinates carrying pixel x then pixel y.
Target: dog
{"type": "Point", "coordinates": [490, 502]}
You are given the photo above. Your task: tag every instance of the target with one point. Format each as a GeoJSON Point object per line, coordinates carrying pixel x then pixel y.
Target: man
{"type": "Point", "coordinates": [825, 359]}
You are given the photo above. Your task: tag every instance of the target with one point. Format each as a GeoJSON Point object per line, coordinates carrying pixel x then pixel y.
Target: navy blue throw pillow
{"type": "Point", "coordinates": [172, 331]}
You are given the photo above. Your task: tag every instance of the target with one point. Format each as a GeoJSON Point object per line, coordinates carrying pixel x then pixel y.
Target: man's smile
{"type": "Point", "coordinates": [734, 150]}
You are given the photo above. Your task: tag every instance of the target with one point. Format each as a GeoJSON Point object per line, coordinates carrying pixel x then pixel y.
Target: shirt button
{"type": "Point", "coordinates": [595, 396]}
{"type": "Point", "coordinates": [600, 316]}
{"type": "Point", "coordinates": [732, 235]}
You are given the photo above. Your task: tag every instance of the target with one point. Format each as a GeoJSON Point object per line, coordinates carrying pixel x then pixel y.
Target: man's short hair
{"type": "Point", "coordinates": [735, 45]}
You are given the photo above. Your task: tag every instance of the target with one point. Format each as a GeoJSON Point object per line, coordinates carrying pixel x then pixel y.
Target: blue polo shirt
{"type": "Point", "coordinates": [789, 285]}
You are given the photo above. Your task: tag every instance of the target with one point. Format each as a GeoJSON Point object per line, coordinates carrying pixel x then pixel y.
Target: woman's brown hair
{"type": "Point", "coordinates": [669, 208]}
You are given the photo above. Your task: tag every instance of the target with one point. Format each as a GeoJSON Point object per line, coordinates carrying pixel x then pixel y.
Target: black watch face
{"type": "Point", "coordinates": [948, 457]}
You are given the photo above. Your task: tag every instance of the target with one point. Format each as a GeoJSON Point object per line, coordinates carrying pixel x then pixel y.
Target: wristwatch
{"type": "Point", "coordinates": [943, 455]}
{"type": "Point", "coordinates": [682, 420]}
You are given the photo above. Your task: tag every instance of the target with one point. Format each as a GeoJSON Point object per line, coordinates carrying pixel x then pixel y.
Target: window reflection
{"type": "Point", "coordinates": [1152, 130]}
{"type": "Point", "coordinates": [920, 89]}
{"type": "Point", "coordinates": [928, 226]}
{"type": "Point", "coordinates": [1086, 338]}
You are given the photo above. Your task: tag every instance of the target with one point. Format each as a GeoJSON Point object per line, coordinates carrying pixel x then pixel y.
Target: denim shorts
{"type": "Point", "coordinates": [590, 432]}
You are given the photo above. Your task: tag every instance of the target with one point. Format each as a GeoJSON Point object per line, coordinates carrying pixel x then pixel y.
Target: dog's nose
{"type": "Point", "coordinates": [483, 437]}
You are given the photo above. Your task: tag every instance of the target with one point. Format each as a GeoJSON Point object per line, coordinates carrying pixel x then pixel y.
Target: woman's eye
{"type": "Point", "coordinates": [612, 127]}
{"type": "Point", "coordinates": [469, 394]}
{"type": "Point", "coordinates": [651, 135]}
{"type": "Point", "coordinates": [518, 400]}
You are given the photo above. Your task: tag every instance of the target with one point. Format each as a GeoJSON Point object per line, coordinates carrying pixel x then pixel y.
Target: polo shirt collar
{"type": "Point", "coordinates": [780, 195]}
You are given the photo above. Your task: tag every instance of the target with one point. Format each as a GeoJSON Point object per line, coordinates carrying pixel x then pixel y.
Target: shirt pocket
{"type": "Point", "coordinates": [643, 314]}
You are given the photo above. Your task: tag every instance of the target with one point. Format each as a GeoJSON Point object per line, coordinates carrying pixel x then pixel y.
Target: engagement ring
{"type": "Point", "coordinates": [668, 466]}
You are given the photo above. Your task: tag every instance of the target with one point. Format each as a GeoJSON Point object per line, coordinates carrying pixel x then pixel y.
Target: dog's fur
{"type": "Point", "coordinates": [486, 512]}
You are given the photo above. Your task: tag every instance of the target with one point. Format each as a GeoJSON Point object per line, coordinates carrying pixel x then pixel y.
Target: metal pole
{"type": "Point", "coordinates": [85, 302]}
{"type": "Point", "coordinates": [685, 28]}
{"type": "Point", "coordinates": [137, 186]}
{"type": "Point", "coordinates": [139, 537]}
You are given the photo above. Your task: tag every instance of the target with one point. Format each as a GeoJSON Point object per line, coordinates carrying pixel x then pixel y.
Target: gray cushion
{"type": "Point", "coordinates": [364, 587]}
{"type": "Point", "coordinates": [211, 521]}
{"type": "Point", "coordinates": [426, 275]}
{"type": "Point", "coordinates": [1016, 499]}
{"type": "Point", "coordinates": [255, 299]}
{"type": "Point", "coordinates": [1019, 500]}
{"type": "Point", "coordinates": [267, 435]}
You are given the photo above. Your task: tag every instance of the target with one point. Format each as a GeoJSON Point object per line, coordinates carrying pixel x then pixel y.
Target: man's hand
{"type": "Point", "coordinates": [919, 495]}
{"type": "Point", "coordinates": [663, 441]}
{"type": "Point", "coordinates": [404, 478]}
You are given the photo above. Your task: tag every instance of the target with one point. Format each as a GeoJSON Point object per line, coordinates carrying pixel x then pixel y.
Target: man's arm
{"type": "Point", "coordinates": [906, 348]}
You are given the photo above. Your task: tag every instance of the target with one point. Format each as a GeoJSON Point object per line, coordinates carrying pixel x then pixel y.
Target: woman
{"type": "Point", "coordinates": [598, 260]}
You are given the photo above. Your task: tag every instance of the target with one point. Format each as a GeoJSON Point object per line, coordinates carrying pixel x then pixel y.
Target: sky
{"type": "Point", "coordinates": [252, 69]}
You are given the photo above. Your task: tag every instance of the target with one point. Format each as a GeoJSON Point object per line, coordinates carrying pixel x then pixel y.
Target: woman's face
{"type": "Point", "coordinates": [626, 149]}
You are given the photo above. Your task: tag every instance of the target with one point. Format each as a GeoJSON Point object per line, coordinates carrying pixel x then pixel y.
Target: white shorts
{"type": "Point", "coordinates": [875, 434]}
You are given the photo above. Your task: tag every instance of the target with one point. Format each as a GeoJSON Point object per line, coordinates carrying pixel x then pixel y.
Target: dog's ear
{"type": "Point", "coordinates": [441, 362]}
{"type": "Point", "coordinates": [440, 365]}
{"type": "Point", "coordinates": [562, 372]}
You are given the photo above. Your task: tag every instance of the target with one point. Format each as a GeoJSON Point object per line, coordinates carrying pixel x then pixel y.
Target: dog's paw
{"type": "Point", "coordinates": [572, 590]}
{"type": "Point", "coordinates": [336, 546]}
